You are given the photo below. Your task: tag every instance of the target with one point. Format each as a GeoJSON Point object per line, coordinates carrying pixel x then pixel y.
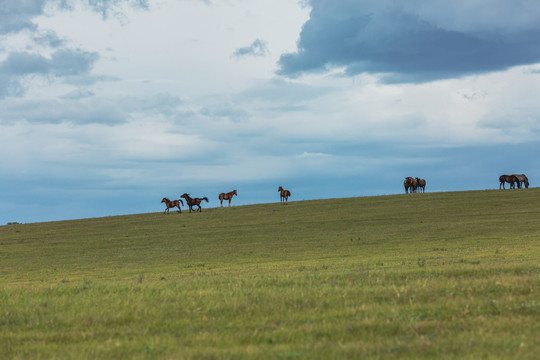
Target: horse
{"type": "Point", "coordinates": [421, 184]}
{"type": "Point", "coordinates": [522, 180]}
{"type": "Point", "coordinates": [283, 195]}
{"type": "Point", "coordinates": [193, 202]}
{"type": "Point", "coordinates": [172, 204]}
{"type": "Point", "coordinates": [511, 179]}
{"type": "Point", "coordinates": [410, 184]}
{"type": "Point", "coordinates": [227, 196]}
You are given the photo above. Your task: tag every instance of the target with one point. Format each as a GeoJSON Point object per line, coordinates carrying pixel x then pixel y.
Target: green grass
{"type": "Point", "coordinates": [443, 275]}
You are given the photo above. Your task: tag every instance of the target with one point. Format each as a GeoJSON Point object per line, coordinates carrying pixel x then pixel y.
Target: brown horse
{"type": "Point", "coordinates": [283, 195]}
{"type": "Point", "coordinates": [421, 184]}
{"type": "Point", "coordinates": [511, 179]}
{"type": "Point", "coordinates": [410, 184]}
{"type": "Point", "coordinates": [227, 196]}
{"type": "Point", "coordinates": [522, 180]}
{"type": "Point", "coordinates": [191, 202]}
{"type": "Point", "coordinates": [172, 204]}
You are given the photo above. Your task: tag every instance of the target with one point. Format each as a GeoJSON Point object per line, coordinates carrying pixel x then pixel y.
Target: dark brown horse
{"type": "Point", "coordinates": [421, 184]}
{"type": "Point", "coordinates": [227, 196]}
{"type": "Point", "coordinates": [283, 195]}
{"type": "Point", "coordinates": [522, 180]}
{"type": "Point", "coordinates": [410, 184]}
{"type": "Point", "coordinates": [191, 202]}
{"type": "Point", "coordinates": [172, 204]}
{"type": "Point", "coordinates": [511, 179]}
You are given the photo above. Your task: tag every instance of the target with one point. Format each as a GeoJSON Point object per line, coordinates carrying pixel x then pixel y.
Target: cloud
{"type": "Point", "coordinates": [415, 41]}
{"type": "Point", "coordinates": [74, 111]}
{"type": "Point", "coordinates": [16, 15]}
{"type": "Point", "coordinates": [108, 7]}
{"type": "Point", "coordinates": [257, 48]}
{"type": "Point", "coordinates": [62, 63]}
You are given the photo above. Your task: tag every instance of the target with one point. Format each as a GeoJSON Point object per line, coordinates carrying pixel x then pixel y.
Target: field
{"type": "Point", "coordinates": [442, 275]}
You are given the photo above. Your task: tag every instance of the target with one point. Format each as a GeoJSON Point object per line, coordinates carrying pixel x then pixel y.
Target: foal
{"type": "Point", "coordinates": [172, 204]}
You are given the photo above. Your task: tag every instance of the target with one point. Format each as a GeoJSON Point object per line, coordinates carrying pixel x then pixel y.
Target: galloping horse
{"type": "Point", "coordinates": [421, 184]}
{"type": "Point", "coordinates": [172, 204]}
{"type": "Point", "coordinates": [191, 202]}
{"type": "Point", "coordinates": [522, 180]}
{"type": "Point", "coordinates": [511, 179]}
{"type": "Point", "coordinates": [227, 196]}
{"type": "Point", "coordinates": [283, 195]}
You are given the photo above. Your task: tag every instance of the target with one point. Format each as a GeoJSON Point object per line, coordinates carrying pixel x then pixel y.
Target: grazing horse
{"type": "Point", "coordinates": [227, 196]}
{"type": "Point", "coordinates": [511, 179]}
{"type": "Point", "coordinates": [421, 184]}
{"type": "Point", "coordinates": [522, 180]}
{"type": "Point", "coordinates": [191, 202]}
{"type": "Point", "coordinates": [410, 184]}
{"type": "Point", "coordinates": [172, 204]}
{"type": "Point", "coordinates": [283, 195]}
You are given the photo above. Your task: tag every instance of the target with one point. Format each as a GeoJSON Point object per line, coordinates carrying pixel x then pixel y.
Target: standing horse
{"type": "Point", "coordinates": [410, 184]}
{"type": "Point", "coordinates": [421, 184]}
{"type": "Point", "coordinates": [172, 204]}
{"type": "Point", "coordinates": [522, 180]}
{"type": "Point", "coordinates": [227, 196]}
{"type": "Point", "coordinates": [511, 179]}
{"type": "Point", "coordinates": [283, 195]}
{"type": "Point", "coordinates": [191, 202]}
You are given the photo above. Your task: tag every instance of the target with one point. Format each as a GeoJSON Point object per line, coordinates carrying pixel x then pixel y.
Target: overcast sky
{"type": "Point", "coordinates": [108, 106]}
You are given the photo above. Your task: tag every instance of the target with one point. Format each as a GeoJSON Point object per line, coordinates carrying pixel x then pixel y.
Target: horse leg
{"type": "Point", "coordinates": [221, 201]}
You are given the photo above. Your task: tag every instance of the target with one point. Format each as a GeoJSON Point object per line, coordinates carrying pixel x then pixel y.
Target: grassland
{"type": "Point", "coordinates": [445, 275]}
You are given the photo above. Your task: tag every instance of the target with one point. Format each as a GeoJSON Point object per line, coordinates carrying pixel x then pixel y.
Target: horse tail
{"type": "Point", "coordinates": [181, 202]}
{"type": "Point", "coordinates": [205, 198]}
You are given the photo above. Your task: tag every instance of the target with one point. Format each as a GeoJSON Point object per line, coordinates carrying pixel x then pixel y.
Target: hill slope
{"type": "Point", "coordinates": [422, 275]}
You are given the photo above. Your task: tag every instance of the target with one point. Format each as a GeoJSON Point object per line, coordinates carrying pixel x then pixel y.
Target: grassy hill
{"type": "Point", "coordinates": [453, 275]}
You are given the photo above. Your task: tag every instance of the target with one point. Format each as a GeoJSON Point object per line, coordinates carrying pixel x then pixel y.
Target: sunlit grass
{"type": "Point", "coordinates": [453, 275]}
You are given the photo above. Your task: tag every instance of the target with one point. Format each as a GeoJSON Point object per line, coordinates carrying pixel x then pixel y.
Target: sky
{"type": "Point", "coordinates": [107, 106]}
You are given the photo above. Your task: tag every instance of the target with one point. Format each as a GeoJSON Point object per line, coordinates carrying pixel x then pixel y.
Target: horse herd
{"type": "Point", "coordinates": [414, 184]}
{"type": "Point", "coordinates": [513, 180]}
{"type": "Point", "coordinates": [411, 185]}
{"type": "Point", "coordinates": [191, 202]}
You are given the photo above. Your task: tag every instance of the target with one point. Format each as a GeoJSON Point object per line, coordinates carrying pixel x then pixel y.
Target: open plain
{"type": "Point", "coordinates": [435, 275]}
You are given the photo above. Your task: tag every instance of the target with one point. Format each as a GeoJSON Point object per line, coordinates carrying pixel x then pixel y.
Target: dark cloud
{"type": "Point", "coordinates": [410, 42]}
{"type": "Point", "coordinates": [62, 63]}
{"type": "Point", "coordinates": [17, 15]}
{"type": "Point", "coordinates": [257, 48]}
